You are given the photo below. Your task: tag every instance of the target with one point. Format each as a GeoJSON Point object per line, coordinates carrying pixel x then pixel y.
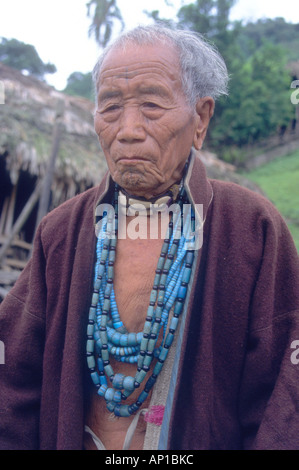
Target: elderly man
{"type": "Point", "coordinates": [150, 342]}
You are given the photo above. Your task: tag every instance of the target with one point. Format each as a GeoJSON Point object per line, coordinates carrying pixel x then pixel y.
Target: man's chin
{"type": "Point", "coordinates": [135, 184]}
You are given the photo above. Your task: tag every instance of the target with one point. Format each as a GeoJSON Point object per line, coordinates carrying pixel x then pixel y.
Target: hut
{"type": "Point", "coordinates": [47, 139]}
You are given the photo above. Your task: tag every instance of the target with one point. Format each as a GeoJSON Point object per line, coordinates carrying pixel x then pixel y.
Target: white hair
{"type": "Point", "coordinates": [203, 70]}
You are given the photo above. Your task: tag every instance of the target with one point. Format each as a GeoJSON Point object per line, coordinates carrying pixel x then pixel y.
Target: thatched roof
{"type": "Point", "coordinates": [27, 122]}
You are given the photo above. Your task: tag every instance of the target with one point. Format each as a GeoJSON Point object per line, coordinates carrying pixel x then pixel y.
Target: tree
{"type": "Point", "coordinates": [80, 84]}
{"type": "Point", "coordinates": [259, 103]}
{"type": "Point", "coordinates": [21, 56]}
{"type": "Point", "coordinates": [103, 14]}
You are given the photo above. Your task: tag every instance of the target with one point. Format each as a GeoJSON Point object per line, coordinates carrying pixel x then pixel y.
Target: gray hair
{"type": "Point", "coordinates": [203, 69]}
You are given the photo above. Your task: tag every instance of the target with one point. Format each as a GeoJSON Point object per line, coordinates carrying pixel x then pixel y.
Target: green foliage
{"type": "Point", "coordinates": [103, 14]}
{"type": "Point", "coordinates": [276, 31]}
{"type": "Point", "coordinates": [259, 101]}
{"type": "Point", "coordinates": [21, 56]}
{"type": "Point", "coordinates": [208, 17]}
{"type": "Point", "coordinates": [279, 180]}
{"type": "Point", "coordinates": [80, 84]}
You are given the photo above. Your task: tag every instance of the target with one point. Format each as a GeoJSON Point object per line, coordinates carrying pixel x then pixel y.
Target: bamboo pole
{"type": "Point", "coordinates": [29, 206]}
{"type": "Point", "coordinates": [46, 190]}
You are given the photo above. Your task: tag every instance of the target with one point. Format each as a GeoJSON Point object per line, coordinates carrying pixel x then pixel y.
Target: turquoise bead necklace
{"type": "Point", "coordinates": [106, 334]}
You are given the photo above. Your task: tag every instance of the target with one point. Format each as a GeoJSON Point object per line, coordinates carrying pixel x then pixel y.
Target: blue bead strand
{"type": "Point", "coordinates": [106, 334]}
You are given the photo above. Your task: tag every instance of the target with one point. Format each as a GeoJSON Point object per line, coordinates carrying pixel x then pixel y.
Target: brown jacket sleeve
{"type": "Point", "coordinates": [22, 332]}
{"type": "Point", "coordinates": [269, 395]}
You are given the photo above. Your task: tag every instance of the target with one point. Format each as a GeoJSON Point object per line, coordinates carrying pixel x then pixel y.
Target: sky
{"type": "Point", "coordinates": [58, 29]}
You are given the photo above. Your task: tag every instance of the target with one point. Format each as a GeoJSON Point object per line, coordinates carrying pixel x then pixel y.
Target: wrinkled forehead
{"type": "Point", "coordinates": [129, 59]}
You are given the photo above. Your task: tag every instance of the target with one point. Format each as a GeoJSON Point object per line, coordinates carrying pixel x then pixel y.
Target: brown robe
{"type": "Point", "coordinates": [236, 385]}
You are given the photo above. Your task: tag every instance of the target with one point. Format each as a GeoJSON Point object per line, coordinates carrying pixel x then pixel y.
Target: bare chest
{"type": "Point", "coordinates": [135, 267]}
{"type": "Point", "coordinates": [134, 272]}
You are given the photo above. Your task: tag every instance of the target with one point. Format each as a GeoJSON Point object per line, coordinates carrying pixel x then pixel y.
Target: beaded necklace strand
{"type": "Point", "coordinates": [106, 334]}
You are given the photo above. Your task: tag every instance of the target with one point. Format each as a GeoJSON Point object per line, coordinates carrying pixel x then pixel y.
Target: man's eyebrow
{"type": "Point", "coordinates": [153, 90]}
{"type": "Point", "coordinates": [108, 94]}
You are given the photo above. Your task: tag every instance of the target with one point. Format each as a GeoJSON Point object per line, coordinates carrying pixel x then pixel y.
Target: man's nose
{"type": "Point", "coordinates": [131, 125]}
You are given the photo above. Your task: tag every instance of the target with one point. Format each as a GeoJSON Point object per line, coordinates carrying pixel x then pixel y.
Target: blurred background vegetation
{"type": "Point", "coordinates": [262, 59]}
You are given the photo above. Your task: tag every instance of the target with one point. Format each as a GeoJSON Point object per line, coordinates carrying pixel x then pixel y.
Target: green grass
{"type": "Point", "coordinates": [279, 180]}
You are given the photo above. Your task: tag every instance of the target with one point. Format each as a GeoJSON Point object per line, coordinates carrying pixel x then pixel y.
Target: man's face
{"type": "Point", "coordinates": [145, 125]}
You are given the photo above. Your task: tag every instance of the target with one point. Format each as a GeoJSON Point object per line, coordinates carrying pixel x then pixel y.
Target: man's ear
{"type": "Point", "coordinates": [204, 111]}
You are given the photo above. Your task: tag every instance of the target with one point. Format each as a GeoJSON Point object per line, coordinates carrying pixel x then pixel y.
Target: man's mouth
{"type": "Point", "coordinates": [132, 159]}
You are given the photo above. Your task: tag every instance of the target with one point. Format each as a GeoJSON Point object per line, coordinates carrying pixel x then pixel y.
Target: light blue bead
{"type": "Point", "coordinates": [105, 354]}
{"type": "Point", "coordinates": [124, 340]}
{"type": "Point", "coordinates": [100, 365]}
{"type": "Point", "coordinates": [156, 328]}
{"type": "Point", "coordinates": [169, 339]}
{"type": "Point", "coordinates": [95, 378]}
{"type": "Point", "coordinates": [157, 368]}
{"type": "Point", "coordinates": [139, 337]}
{"type": "Point", "coordinates": [151, 345]}
{"type": "Point", "coordinates": [178, 308]}
{"type": "Point", "coordinates": [150, 311]}
{"type": "Point", "coordinates": [110, 406]}
{"type": "Point", "coordinates": [143, 396]}
{"type": "Point", "coordinates": [91, 362]}
{"type": "Point", "coordinates": [90, 346]}
{"type": "Point", "coordinates": [140, 362]}
{"type": "Point", "coordinates": [108, 370]}
{"type": "Point", "coordinates": [163, 354]}
{"type": "Point", "coordinates": [128, 383]}
{"type": "Point", "coordinates": [117, 397]}
{"type": "Point", "coordinates": [96, 335]}
{"type": "Point", "coordinates": [92, 313]}
{"type": "Point", "coordinates": [167, 265]}
{"type": "Point", "coordinates": [147, 327]}
{"type": "Point", "coordinates": [132, 340]}
{"type": "Point", "coordinates": [103, 337]}
{"type": "Point", "coordinates": [109, 394]}
{"type": "Point", "coordinates": [139, 377]}
{"type": "Point", "coordinates": [174, 323]}
{"type": "Point", "coordinates": [90, 330]}
{"type": "Point", "coordinates": [147, 361]}
{"type": "Point", "coordinates": [102, 390]}
{"type": "Point", "coordinates": [186, 275]}
{"type": "Point", "coordinates": [153, 296]}
{"type": "Point", "coordinates": [122, 411]}
{"type": "Point", "coordinates": [97, 284]}
{"type": "Point", "coordinates": [143, 344]}
{"type": "Point", "coordinates": [182, 292]}
{"type": "Point", "coordinates": [103, 380]}
{"type": "Point", "coordinates": [95, 299]}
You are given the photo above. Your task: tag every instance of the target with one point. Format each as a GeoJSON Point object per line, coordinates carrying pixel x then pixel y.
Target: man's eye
{"type": "Point", "coordinates": [149, 104]}
{"type": "Point", "coordinates": [112, 107]}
